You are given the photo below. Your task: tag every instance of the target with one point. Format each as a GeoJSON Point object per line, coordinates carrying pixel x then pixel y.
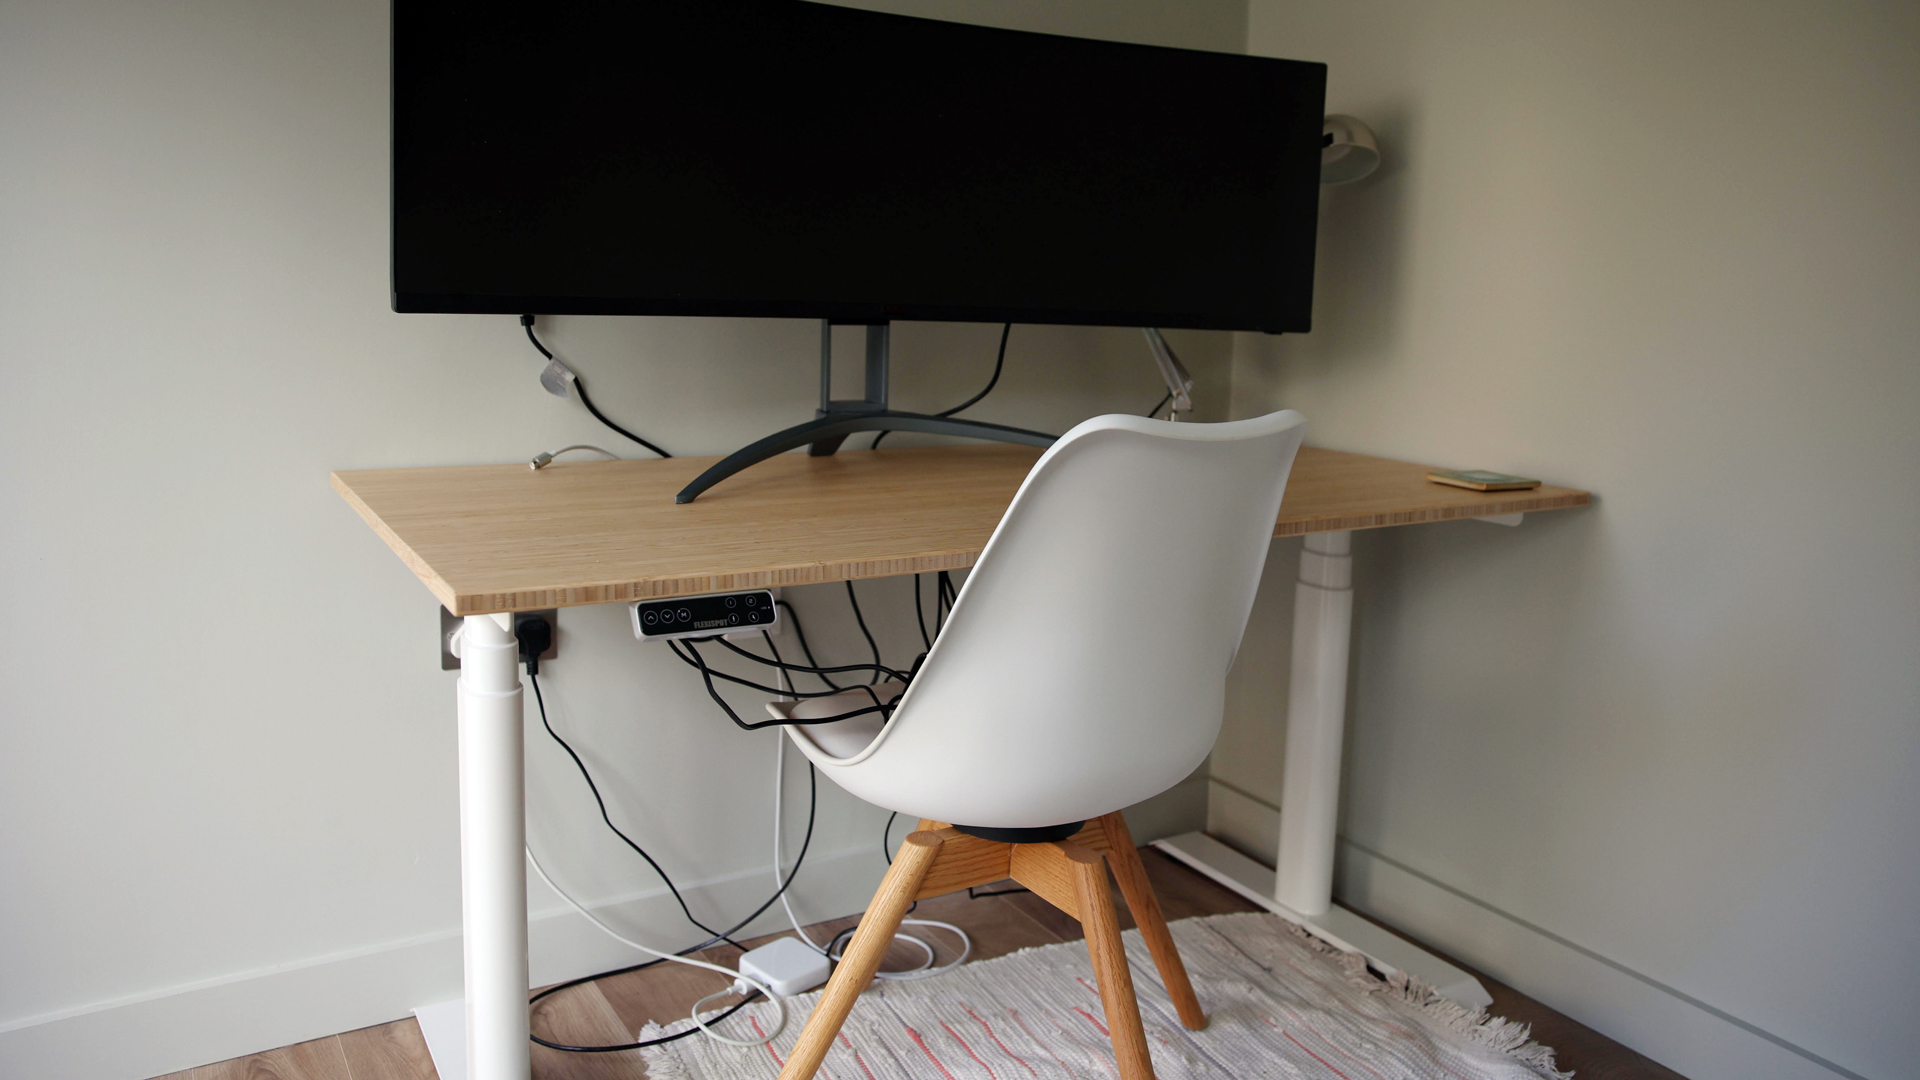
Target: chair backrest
{"type": "Point", "coordinates": [1084, 665]}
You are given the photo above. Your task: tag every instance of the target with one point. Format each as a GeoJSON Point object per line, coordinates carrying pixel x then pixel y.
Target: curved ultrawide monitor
{"type": "Point", "coordinates": [786, 158]}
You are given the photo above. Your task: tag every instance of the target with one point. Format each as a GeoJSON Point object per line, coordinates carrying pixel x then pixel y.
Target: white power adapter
{"type": "Point", "coordinates": [786, 967]}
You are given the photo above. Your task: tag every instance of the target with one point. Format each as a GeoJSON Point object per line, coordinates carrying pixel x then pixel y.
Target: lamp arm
{"type": "Point", "coordinates": [1179, 383]}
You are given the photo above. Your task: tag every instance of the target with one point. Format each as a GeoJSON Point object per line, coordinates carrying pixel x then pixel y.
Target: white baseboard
{"type": "Point", "coordinates": [1243, 822]}
{"type": "Point", "coordinates": [1687, 1035]}
{"type": "Point", "coordinates": [1336, 926]}
{"type": "Point", "coordinates": [1179, 809]}
{"type": "Point", "coordinates": [181, 1027]}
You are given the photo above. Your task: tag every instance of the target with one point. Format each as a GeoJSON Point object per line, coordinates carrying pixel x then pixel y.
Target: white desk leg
{"type": "Point", "coordinates": [493, 834]}
{"type": "Point", "coordinates": [1316, 723]}
{"type": "Point", "coordinates": [1300, 889]}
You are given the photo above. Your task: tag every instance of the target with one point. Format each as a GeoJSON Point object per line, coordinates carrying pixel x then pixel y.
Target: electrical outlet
{"type": "Point", "coordinates": [449, 623]}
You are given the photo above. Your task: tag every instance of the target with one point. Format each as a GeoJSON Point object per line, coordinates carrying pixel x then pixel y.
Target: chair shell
{"type": "Point", "coordinates": [1083, 667]}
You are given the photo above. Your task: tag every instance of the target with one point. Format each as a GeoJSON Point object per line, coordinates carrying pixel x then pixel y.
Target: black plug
{"type": "Point", "coordinates": [536, 636]}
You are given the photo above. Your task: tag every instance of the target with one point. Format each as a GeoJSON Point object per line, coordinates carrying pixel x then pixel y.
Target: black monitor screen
{"type": "Point", "coordinates": [786, 158]}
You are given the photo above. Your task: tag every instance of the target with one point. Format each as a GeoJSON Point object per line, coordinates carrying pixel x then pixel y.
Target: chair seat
{"type": "Point", "coordinates": [843, 738]}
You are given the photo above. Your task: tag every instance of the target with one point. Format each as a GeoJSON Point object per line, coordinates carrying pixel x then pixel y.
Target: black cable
{"type": "Point", "coordinates": [801, 633]}
{"type": "Point", "coordinates": [943, 602]}
{"type": "Point", "coordinates": [998, 363]}
{"type": "Point", "coordinates": [812, 804]}
{"type": "Point", "coordinates": [604, 816]}
{"type": "Point", "coordinates": [762, 687]}
{"type": "Point", "coordinates": [707, 675]}
{"type": "Point", "coordinates": [744, 1002]}
{"type": "Point", "coordinates": [813, 792]}
{"type": "Point", "coordinates": [1162, 405]}
{"type": "Point", "coordinates": [806, 842]}
{"type": "Point", "coordinates": [693, 657]}
{"type": "Point", "coordinates": [920, 614]}
{"type": "Point", "coordinates": [783, 665]}
{"type": "Point", "coordinates": [862, 620]}
{"type": "Point", "coordinates": [785, 668]}
{"type": "Point", "coordinates": [526, 322]}
{"type": "Point", "coordinates": [581, 389]}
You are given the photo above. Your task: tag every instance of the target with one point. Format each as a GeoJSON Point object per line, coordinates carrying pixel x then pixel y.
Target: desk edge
{"type": "Point", "coordinates": [627, 590]}
{"type": "Point", "coordinates": [435, 584]}
{"type": "Point", "coordinates": [1519, 502]}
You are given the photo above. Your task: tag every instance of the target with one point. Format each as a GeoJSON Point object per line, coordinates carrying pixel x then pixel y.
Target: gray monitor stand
{"type": "Point", "coordinates": [835, 420]}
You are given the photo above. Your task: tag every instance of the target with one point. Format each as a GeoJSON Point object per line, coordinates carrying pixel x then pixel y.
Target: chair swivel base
{"type": "Point", "coordinates": [1070, 874]}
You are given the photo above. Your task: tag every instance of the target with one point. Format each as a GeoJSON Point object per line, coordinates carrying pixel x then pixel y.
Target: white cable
{"type": "Point", "coordinates": [779, 816]}
{"type": "Point", "coordinates": [925, 970]}
{"type": "Point", "coordinates": [541, 461]}
{"type": "Point", "coordinates": [926, 967]}
{"type": "Point", "coordinates": [738, 979]}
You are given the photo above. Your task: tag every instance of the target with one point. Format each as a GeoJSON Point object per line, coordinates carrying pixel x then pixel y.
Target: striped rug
{"type": "Point", "coordinates": [1281, 1005]}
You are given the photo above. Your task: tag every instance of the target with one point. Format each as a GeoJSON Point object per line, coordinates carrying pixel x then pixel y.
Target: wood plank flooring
{"type": "Point", "coordinates": [612, 1009]}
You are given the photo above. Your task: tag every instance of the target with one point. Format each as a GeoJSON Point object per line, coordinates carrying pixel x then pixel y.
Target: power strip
{"type": "Point", "coordinates": [733, 613]}
{"type": "Point", "coordinates": [786, 967]}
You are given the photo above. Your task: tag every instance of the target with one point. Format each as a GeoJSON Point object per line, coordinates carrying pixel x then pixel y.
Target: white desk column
{"type": "Point", "coordinates": [1300, 888]}
{"type": "Point", "coordinates": [493, 835]}
{"type": "Point", "coordinates": [1316, 723]}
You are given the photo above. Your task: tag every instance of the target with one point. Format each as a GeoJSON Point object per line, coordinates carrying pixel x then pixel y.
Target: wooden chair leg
{"type": "Point", "coordinates": [864, 953]}
{"type": "Point", "coordinates": [1109, 963]}
{"type": "Point", "coordinates": [1153, 924]}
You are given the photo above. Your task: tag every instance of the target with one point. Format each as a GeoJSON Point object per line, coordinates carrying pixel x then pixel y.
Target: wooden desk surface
{"type": "Point", "coordinates": [507, 538]}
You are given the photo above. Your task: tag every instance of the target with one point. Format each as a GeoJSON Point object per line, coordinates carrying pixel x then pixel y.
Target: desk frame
{"type": "Point", "coordinates": [479, 508]}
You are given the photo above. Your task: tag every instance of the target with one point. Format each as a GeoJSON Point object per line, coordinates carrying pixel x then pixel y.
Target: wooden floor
{"type": "Point", "coordinates": [612, 1009]}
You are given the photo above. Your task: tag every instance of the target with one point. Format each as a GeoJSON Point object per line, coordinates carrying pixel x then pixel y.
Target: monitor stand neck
{"type": "Point", "coordinates": [874, 401]}
{"type": "Point", "coordinates": [835, 420]}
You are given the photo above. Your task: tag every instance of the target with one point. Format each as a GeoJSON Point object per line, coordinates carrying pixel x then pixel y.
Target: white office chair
{"type": "Point", "coordinates": [1082, 670]}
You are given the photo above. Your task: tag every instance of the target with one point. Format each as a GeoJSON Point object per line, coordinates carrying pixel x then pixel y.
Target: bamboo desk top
{"type": "Point", "coordinates": [490, 538]}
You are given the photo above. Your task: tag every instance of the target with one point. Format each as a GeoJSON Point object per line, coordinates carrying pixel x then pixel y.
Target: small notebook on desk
{"type": "Point", "coordinates": [1481, 480]}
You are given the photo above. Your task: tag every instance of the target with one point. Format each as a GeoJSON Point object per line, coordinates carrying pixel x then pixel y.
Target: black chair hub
{"type": "Point", "coordinates": [1044, 834]}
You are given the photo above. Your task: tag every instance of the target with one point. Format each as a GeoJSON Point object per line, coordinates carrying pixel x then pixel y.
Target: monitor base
{"type": "Point", "coordinates": [829, 431]}
{"type": "Point", "coordinates": [836, 420]}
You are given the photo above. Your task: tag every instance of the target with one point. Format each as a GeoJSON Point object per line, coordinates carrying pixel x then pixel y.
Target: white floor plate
{"type": "Point", "coordinates": [445, 1028]}
{"type": "Point", "coordinates": [1338, 927]}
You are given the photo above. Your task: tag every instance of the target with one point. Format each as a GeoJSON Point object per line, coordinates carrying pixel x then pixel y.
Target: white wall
{"type": "Point", "coordinates": [227, 803]}
{"type": "Point", "coordinates": [1651, 761]}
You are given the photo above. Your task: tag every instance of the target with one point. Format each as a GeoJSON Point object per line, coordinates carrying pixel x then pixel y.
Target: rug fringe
{"type": "Point", "coordinates": [1508, 1036]}
{"type": "Point", "coordinates": [662, 1063]}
